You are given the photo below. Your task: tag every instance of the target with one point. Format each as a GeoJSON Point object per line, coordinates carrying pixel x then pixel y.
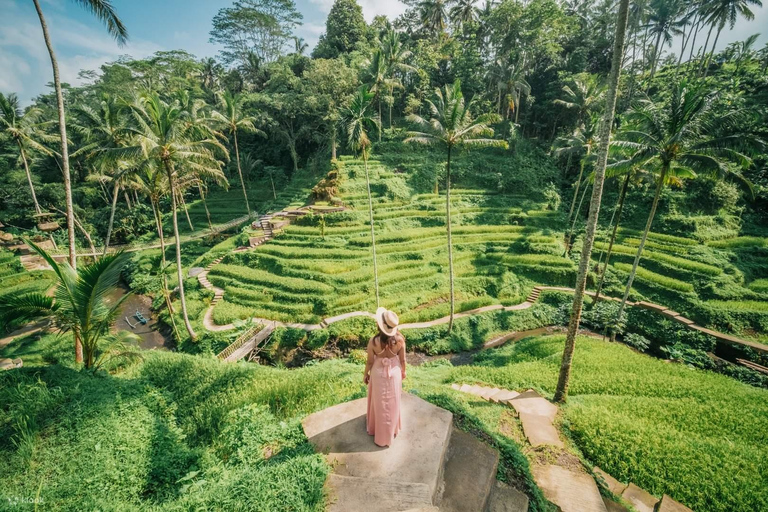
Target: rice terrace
{"type": "Point", "coordinates": [439, 255]}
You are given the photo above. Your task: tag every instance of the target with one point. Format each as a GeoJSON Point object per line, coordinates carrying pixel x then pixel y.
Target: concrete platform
{"type": "Point", "coordinates": [416, 456]}
{"type": "Point", "coordinates": [570, 490]}
{"type": "Point", "coordinates": [502, 395]}
{"type": "Point", "coordinates": [504, 498]}
{"type": "Point", "coordinates": [470, 472]}
{"type": "Point", "coordinates": [347, 493]}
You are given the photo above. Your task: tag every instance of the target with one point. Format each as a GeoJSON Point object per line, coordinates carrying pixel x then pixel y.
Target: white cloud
{"type": "Point", "coordinates": [371, 8]}
{"type": "Point", "coordinates": [24, 58]}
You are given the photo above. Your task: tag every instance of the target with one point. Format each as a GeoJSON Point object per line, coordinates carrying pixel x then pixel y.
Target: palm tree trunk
{"type": "Point", "coordinates": [576, 192]}
{"type": "Point", "coordinates": [378, 96]}
{"type": "Point", "coordinates": [64, 148]}
{"type": "Point", "coordinates": [240, 174]}
{"type": "Point", "coordinates": [392, 101]}
{"type": "Point", "coordinates": [205, 205]}
{"type": "Point", "coordinates": [163, 263]}
{"type": "Point", "coordinates": [573, 223]}
{"type": "Point", "coordinates": [659, 186]}
{"type": "Point", "coordinates": [594, 207]}
{"type": "Point", "coordinates": [623, 194]}
{"type": "Point", "coordinates": [450, 242]}
{"type": "Point", "coordinates": [333, 143]}
{"type": "Point", "coordinates": [111, 218]}
{"type": "Point", "coordinates": [693, 43]}
{"type": "Point", "coordinates": [186, 210]}
{"type": "Point", "coordinates": [78, 347]}
{"type": "Point", "coordinates": [373, 232]}
{"type": "Point", "coordinates": [29, 177]}
{"type": "Point", "coordinates": [714, 46]}
{"type": "Point", "coordinates": [179, 272]}
{"type": "Point", "coordinates": [706, 45]}
{"type": "Point", "coordinates": [656, 56]}
{"type": "Point", "coordinates": [127, 199]}
{"type": "Point", "coordinates": [274, 192]}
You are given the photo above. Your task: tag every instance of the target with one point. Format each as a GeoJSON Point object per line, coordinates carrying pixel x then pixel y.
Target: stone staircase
{"type": "Point", "coordinates": [534, 296]}
{"type": "Point", "coordinates": [569, 487]}
{"type": "Point", "coordinates": [430, 466]}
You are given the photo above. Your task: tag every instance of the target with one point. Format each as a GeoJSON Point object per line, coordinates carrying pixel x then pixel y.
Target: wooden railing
{"type": "Point", "coordinates": [239, 342]}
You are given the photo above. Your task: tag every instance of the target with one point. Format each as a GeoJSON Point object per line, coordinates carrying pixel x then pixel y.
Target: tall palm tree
{"type": "Point", "coordinates": [452, 125]}
{"type": "Point", "coordinates": [24, 130]}
{"type": "Point", "coordinates": [664, 20]}
{"type": "Point", "coordinates": [584, 97]}
{"type": "Point", "coordinates": [80, 303]}
{"type": "Point", "coordinates": [210, 71]}
{"type": "Point", "coordinates": [378, 76]}
{"type": "Point", "coordinates": [726, 12]}
{"type": "Point", "coordinates": [463, 12]}
{"type": "Point", "coordinates": [689, 135]}
{"type": "Point", "coordinates": [594, 207]}
{"type": "Point", "coordinates": [103, 10]}
{"type": "Point", "coordinates": [509, 78]}
{"type": "Point", "coordinates": [360, 119]}
{"type": "Point", "coordinates": [233, 119]}
{"type": "Point", "coordinates": [103, 130]}
{"type": "Point", "coordinates": [165, 142]}
{"type": "Point", "coordinates": [434, 15]}
{"type": "Point", "coordinates": [395, 55]}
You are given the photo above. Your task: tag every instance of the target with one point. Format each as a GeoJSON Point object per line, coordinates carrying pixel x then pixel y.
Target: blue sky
{"type": "Point", "coordinates": [82, 43]}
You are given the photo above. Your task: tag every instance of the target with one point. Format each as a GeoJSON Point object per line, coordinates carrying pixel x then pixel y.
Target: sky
{"type": "Point", "coordinates": [81, 42]}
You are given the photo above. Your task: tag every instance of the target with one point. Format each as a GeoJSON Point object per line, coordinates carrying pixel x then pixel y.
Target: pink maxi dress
{"type": "Point", "coordinates": [384, 389]}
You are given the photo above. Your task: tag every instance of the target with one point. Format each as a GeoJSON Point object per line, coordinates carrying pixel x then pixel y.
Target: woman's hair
{"type": "Point", "coordinates": [388, 341]}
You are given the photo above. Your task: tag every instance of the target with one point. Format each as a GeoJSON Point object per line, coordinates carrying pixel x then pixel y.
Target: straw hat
{"type": "Point", "coordinates": [387, 321]}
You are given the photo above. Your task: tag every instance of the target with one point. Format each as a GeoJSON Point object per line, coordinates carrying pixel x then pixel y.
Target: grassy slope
{"type": "Point", "coordinates": [178, 432]}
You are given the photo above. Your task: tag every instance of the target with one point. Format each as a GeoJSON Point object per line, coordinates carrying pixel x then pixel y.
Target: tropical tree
{"type": "Point", "coordinates": [510, 82]}
{"type": "Point", "coordinates": [434, 15]}
{"type": "Point", "coordinates": [360, 119]}
{"type": "Point", "coordinates": [80, 304]}
{"type": "Point", "coordinates": [103, 10]}
{"type": "Point", "coordinates": [583, 97]}
{"type": "Point", "coordinates": [25, 130]}
{"type": "Point", "coordinates": [165, 143]}
{"type": "Point", "coordinates": [594, 207]}
{"type": "Point", "coordinates": [396, 57]}
{"type": "Point", "coordinates": [452, 125]}
{"type": "Point", "coordinates": [720, 13]}
{"type": "Point", "coordinates": [378, 76]}
{"type": "Point", "coordinates": [103, 129]}
{"type": "Point", "coordinates": [232, 118]}
{"type": "Point", "coordinates": [691, 134]}
{"type": "Point", "coordinates": [210, 72]}
{"type": "Point", "coordinates": [463, 12]}
{"type": "Point", "coordinates": [665, 22]}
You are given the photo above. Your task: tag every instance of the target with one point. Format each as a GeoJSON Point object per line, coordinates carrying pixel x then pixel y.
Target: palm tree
{"type": "Point", "coordinates": [210, 71]}
{"type": "Point", "coordinates": [433, 15]}
{"type": "Point", "coordinates": [594, 206]}
{"type": "Point", "coordinates": [103, 10]}
{"type": "Point", "coordinates": [510, 82]}
{"type": "Point", "coordinates": [24, 129]}
{"type": "Point", "coordinates": [664, 22]}
{"type": "Point", "coordinates": [360, 120]}
{"type": "Point", "coordinates": [395, 55]}
{"type": "Point", "coordinates": [726, 12]}
{"type": "Point", "coordinates": [689, 135]}
{"type": "Point", "coordinates": [743, 51]}
{"type": "Point", "coordinates": [103, 130]}
{"type": "Point", "coordinates": [464, 12]}
{"type": "Point", "coordinates": [80, 304]}
{"type": "Point", "coordinates": [165, 142]}
{"type": "Point", "coordinates": [584, 97]}
{"type": "Point", "coordinates": [378, 76]}
{"type": "Point", "coordinates": [232, 118]}
{"type": "Point", "coordinates": [299, 46]}
{"type": "Point", "coordinates": [452, 126]}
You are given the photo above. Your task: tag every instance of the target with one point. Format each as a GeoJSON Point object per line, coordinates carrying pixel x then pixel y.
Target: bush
{"type": "Point", "coordinates": [637, 341]}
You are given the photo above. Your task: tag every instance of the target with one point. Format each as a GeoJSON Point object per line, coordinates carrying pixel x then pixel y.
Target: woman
{"type": "Point", "coordinates": [384, 374]}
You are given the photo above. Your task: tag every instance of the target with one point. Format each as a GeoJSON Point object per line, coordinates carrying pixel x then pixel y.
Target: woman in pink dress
{"type": "Point", "coordinates": [384, 374]}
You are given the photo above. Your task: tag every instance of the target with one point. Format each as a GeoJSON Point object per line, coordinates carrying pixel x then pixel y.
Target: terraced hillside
{"type": "Point", "coordinates": [504, 245]}
{"type": "Point", "coordinates": [502, 248]}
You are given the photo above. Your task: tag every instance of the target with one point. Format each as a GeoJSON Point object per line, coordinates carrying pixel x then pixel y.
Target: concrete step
{"type": "Point", "coordinates": [416, 456]}
{"type": "Point", "coordinates": [667, 504]}
{"type": "Point", "coordinates": [465, 388]}
{"type": "Point", "coordinates": [612, 506]}
{"type": "Point", "coordinates": [503, 395]}
{"type": "Point", "coordinates": [349, 493]}
{"type": "Point", "coordinates": [489, 392]}
{"type": "Point", "coordinates": [504, 498]}
{"type": "Point", "coordinates": [535, 405]}
{"type": "Point", "coordinates": [540, 431]}
{"type": "Point", "coordinates": [572, 491]}
{"type": "Point", "coordinates": [477, 390]}
{"type": "Point", "coordinates": [642, 500]}
{"type": "Point", "coordinates": [606, 481]}
{"type": "Point", "coordinates": [470, 472]}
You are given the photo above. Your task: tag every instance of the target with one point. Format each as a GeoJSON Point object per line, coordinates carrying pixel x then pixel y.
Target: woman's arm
{"type": "Point", "coordinates": [369, 362]}
{"type": "Point", "coordinates": [401, 355]}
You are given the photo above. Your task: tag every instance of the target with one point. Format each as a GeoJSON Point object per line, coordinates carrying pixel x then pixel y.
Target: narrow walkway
{"type": "Point", "coordinates": [565, 482]}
